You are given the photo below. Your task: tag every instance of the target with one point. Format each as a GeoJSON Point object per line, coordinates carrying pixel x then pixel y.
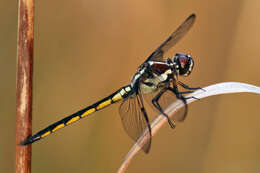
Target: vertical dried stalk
{"type": "Point", "coordinates": [24, 84]}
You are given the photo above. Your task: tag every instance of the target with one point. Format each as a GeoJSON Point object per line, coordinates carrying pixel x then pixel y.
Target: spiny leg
{"type": "Point", "coordinates": [183, 99]}
{"type": "Point", "coordinates": [187, 87]}
{"type": "Point", "coordinates": [190, 88]}
{"type": "Point", "coordinates": [188, 92]}
{"type": "Point", "coordinates": [192, 97]}
{"type": "Point", "coordinates": [156, 104]}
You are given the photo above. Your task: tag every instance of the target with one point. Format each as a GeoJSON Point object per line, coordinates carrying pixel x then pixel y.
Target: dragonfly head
{"type": "Point", "coordinates": [183, 64]}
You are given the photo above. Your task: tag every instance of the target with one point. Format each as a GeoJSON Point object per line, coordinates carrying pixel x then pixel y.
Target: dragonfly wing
{"type": "Point", "coordinates": [157, 55]}
{"type": "Point", "coordinates": [135, 120]}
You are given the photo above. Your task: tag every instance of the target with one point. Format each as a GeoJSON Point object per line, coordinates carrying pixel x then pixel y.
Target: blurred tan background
{"type": "Point", "coordinates": [84, 50]}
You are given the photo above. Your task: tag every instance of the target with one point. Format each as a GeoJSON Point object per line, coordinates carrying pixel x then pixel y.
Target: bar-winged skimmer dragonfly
{"type": "Point", "coordinates": [155, 81]}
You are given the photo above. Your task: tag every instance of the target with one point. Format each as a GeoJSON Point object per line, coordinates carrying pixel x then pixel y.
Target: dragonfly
{"type": "Point", "coordinates": [156, 82]}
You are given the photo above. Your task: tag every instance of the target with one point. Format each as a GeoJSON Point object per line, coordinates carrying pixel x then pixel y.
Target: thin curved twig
{"type": "Point", "coordinates": [156, 124]}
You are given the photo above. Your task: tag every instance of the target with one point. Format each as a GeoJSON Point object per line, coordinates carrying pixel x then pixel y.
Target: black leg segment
{"type": "Point", "coordinates": [183, 99]}
{"type": "Point", "coordinates": [156, 104]}
{"type": "Point", "coordinates": [187, 87]}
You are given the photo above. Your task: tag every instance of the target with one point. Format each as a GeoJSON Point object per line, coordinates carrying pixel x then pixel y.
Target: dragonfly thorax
{"type": "Point", "coordinates": [151, 76]}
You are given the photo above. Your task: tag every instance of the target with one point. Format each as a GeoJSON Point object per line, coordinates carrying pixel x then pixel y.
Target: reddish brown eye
{"type": "Point", "coordinates": [183, 64]}
{"type": "Point", "coordinates": [183, 60]}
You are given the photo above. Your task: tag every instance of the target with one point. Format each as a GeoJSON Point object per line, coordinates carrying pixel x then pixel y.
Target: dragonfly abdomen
{"type": "Point", "coordinates": [113, 98]}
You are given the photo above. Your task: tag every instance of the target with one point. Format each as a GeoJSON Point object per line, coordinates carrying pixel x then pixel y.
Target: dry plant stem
{"type": "Point", "coordinates": [156, 124]}
{"type": "Point", "coordinates": [24, 84]}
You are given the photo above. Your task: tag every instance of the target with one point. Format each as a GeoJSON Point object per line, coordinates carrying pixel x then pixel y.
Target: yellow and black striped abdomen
{"type": "Point", "coordinates": [113, 98]}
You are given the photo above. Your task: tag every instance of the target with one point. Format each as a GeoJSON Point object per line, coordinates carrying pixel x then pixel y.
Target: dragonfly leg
{"type": "Point", "coordinates": [192, 97]}
{"type": "Point", "coordinates": [156, 104]}
{"type": "Point", "coordinates": [190, 88]}
{"type": "Point", "coordinates": [187, 87]}
{"type": "Point", "coordinates": [147, 120]}
{"type": "Point", "coordinates": [183, 99]}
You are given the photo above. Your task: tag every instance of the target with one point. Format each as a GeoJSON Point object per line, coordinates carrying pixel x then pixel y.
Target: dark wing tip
{"type": "Point", "coordinates": [193, 15]}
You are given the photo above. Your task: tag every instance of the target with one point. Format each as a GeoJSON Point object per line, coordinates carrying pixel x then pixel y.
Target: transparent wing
{"type": "Point", "coordinates": [157, 55]}
{"type": "Point", "coordinates": [134, 120]}
{"type": "Point", "coordinates": [165, 100]}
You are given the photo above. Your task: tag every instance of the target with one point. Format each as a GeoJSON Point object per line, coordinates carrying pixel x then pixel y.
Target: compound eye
{"type": "Point", "coordinates": [184, 61]}
{"type": "Point", "coordinates": [185, 64]}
